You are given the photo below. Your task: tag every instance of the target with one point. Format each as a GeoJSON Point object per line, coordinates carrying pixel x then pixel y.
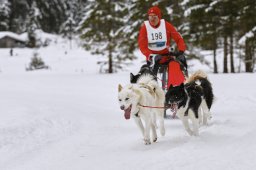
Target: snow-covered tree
{"type": "Point", "coordinates": [68, 27]}
{"type": "Point", "coordinates": [247, 33]}
{"type": "Point", "coordinates": [53, 14]}
{"type": "Point", "coordinates": [101, 30]}
{"type": "Point", "coordinates": [33, 25]}
{"type": "Point", "coordinates": [4, 15]}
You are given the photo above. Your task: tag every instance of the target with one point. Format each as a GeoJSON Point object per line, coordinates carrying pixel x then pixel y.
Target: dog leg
{"type": "Point", "coordinates": [160, 117]}
{"type": "Point", "coordinates": [186, 125]}
{"type": "Point", "coordinates": [206, 112]}
{"type": "Point", "coordinates": [200, 115]}
{"type": "Point", "coordinates": [195, 123]}
{"type": "Point", "coordinates": [147, 132]}
{"type": "Point", "coordinates": [154, 134]}
{"type": "Point", "coordinates": [139, 124]}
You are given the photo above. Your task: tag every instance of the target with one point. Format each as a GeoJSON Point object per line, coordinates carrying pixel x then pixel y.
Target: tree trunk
{"type": "Point", "coordinates": [231, 54]}
{"type": "Point", "coordinates": [110, 56]}
{"type": "Point", "coordinates": [248, 57]}
{"type": "Point", "coordinates": [110, 62]}
{"type": "Point", "coordinates": [225, 64]}
{"type": "Point", "coordinates": [215, 66]}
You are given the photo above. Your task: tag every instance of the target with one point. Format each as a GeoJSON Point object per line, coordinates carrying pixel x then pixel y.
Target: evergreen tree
{"type": "Point", "coordinates": [18, 14]}
{"type": "Point", "coordinates": [213, 28]}
{"type": "Point", "coordinates": [33, 25]}
{"type": "Point", "coordinates": [75, 10]}
{"type": "Point", "coordinates": [68, 27]}
{"type": "Point", "coordinates": [247, 32]}
{"type": "Point", "coordinates": [228, 13]}
{"type": "Point", "coordinates": [203, 26]}
{"type": "Point", "coordinates": [101, 30]}
{"type": "Point", "coordinates": [53, 14]}
{"type": "Point", "coordinates": [4, 15]}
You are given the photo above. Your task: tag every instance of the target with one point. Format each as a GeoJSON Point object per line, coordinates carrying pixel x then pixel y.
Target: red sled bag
{"type": "Point", "coordinates": [175, 74]}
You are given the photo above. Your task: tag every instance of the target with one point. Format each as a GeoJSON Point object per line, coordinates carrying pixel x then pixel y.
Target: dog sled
{"type": "Point", "coordinates": [178, 70]}
{"type": "Point", "coordinates": [160, 71]}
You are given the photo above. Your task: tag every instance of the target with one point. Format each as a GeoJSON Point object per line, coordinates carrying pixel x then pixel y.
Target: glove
{"type": "Point", "coordinates": [182, 59]}
{"type": "Point", "coordinates": [178, 53]}
{"type": "Point", "coordinates": [154, 59]}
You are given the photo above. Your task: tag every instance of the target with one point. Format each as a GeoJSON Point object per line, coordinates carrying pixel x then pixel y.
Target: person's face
{"type": "Point", "coordinates": [153, 19]}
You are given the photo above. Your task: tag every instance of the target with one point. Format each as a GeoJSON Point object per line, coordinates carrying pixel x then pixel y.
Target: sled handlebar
{"type": "Point", "coordinates": [171, 54]}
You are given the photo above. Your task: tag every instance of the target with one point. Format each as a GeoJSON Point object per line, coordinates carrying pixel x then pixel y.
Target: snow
{"type": "Point", "coordinates": [248, 35]}
{"type": "Point", "coordinates": [12, 35]}
{"type": "Point", "coordinates": [68, 117]}
{"type": "Point", "coordinates": [196, 7]}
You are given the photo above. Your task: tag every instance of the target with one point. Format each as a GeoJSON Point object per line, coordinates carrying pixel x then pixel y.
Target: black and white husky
{"type": "Point", "coordinates": [193, 99]}
{"type": "Point", "coordinates": [144, 70]}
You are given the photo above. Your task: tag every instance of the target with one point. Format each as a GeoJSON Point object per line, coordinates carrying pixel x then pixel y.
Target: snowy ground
{"type": "Point", "coordinates": [68, 118]}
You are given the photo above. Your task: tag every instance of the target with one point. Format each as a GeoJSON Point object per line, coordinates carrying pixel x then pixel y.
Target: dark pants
{"type": "Point", "coordinates": [183, 65]}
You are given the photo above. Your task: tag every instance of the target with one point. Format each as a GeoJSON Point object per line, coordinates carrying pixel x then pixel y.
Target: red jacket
{"type": "Point", "coordinates": [171, 34]}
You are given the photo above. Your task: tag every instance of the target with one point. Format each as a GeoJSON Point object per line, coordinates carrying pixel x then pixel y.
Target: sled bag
{"type": "Point", "coordinates": [175, 75]}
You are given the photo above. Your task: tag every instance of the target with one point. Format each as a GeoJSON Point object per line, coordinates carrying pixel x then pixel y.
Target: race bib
{"type": "Point", "coordinates": [157, 38]}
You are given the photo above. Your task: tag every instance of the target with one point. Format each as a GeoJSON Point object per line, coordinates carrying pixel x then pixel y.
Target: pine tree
{"type": "Point", "coordinates": [53, 14]}
{"type": "Point", "coordinates": [68, 27]}
{"type": "Point", "coordinates": [33, 25]}
{"type": "Point", "coordinates": [247, 33]}
{"type": "Point", "coordinates": [18, 14]}
{"type": "Point", "coordinates": [100, 30]}
{"type": "Point", "coordinates": [4, 15]}
{"type": "Point", "coordinates": [228, 12]}
{"type": "Point", "coordinates": [203, 26]}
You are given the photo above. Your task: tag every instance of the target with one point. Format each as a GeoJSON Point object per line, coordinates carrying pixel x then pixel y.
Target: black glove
{"type": "Point", "coordinates": [178, 53]}
{"type": "Point", "coordinates": [153, 62]}
{"type": "Point", "coordinates": [155, 58]}
{"type": "Point", "coordinates": [183, 62]}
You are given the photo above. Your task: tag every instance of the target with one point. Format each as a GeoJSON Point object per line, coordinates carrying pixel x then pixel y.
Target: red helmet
{"type": "Point", "coordinates": [155, 10]}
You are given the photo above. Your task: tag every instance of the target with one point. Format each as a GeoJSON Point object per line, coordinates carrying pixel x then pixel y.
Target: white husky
{"type": "Point", "coordinates": [133, 97]}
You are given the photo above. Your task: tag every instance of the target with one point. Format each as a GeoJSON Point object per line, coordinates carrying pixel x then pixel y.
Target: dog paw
{"type": "Point", "coordinates": [147, 142]}
{"type": "Point", "coordinates": [154, 140]}
{"type": "Point", "coordinates": [190, 132]}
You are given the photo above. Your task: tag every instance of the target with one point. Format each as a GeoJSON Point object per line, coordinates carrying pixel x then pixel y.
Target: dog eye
{"type": "Point", "coordinates": [126, 99]}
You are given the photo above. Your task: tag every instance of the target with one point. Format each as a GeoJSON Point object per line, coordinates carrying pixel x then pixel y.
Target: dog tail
{"type": "Point", "coordinates": [201, 77]}
{"type": "Point", "coordinates": [196, 76]}
{"type": "Point", "coordinates": [208, 92]}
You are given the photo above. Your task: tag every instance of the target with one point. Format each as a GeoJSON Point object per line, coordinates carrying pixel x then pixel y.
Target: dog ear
{"type": "Point", "coordinates": [119, 87]}
{"type": "Point", "coordinates": [131, 75]}
{"type": "Point", "coordinates": [131, 78]}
